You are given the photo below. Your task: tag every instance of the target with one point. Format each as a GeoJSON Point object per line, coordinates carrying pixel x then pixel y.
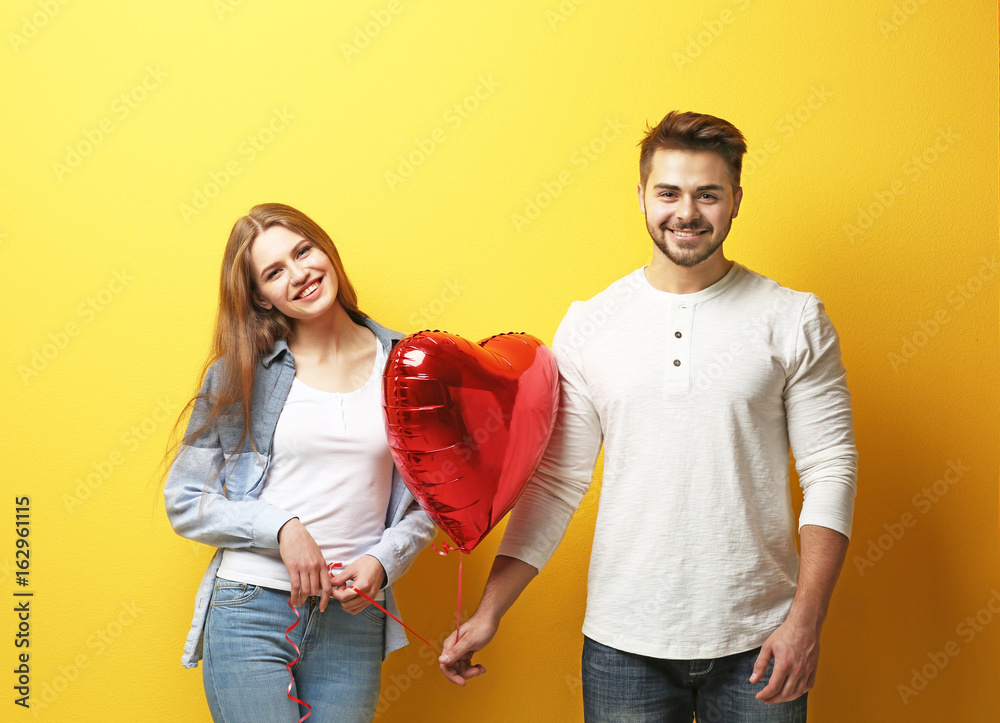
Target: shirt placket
{"type": "Point", "coordinates": [335, 413]}
{"type": "Point", "coordinates": [680, 324]}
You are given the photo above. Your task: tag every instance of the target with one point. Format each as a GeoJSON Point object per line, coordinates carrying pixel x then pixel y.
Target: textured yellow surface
{"type": "Point", "coordinates": [476, 163]}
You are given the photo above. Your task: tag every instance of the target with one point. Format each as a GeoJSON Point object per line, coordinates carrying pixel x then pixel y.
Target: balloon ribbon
{"type": "Point", "coordinates": [445, 549]}
{"type": "Point", "coordinates": [298, 655]}
{"type": "Point", "coordinates": [330, 568]}
{"type": "Point", "coordinates": [395, 618]}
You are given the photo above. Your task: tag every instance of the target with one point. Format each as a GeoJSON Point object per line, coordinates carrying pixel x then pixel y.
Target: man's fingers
{"type": "Point", "coordinates": [473, 671]}
{"type": "Point", "coordinates": [449, 652]}
{"type": "Point", "coordinates": [452, 675]}
{"type": "Point", "coordinates": [446, 651]}
{"type": "Point", "coordinates": [796, 683]}
{"type": "Point", "coordinates": [456, 659]}
{"type": "Point", "coordinates": [779, 676]}
{"type": "Point", "coordinates": [760, 666]}
{"type": "Point", "coordinates": [461, 671]}
{"type": "Point", "coordinates": [454, 650]}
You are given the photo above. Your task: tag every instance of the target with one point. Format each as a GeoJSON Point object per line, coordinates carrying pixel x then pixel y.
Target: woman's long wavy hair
{"type": "Point", "coordinates": [245, 331]}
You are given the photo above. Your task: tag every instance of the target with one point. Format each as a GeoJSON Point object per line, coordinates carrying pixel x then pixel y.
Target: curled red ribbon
{"type": "Point", "coordinates": [445, 549]}
{"type": "Point", "coordinates": [298, 654]}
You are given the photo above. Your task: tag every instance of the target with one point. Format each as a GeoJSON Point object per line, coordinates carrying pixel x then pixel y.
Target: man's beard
{"type": "Point", "coordinates": [686, 258]}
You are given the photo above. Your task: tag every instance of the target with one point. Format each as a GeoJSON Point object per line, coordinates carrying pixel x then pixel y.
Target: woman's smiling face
{"type": "Point", "coordinates": [292, 274]}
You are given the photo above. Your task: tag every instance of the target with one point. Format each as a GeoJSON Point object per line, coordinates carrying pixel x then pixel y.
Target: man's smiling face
{"type": "Point", "coordinates": [689, 203]}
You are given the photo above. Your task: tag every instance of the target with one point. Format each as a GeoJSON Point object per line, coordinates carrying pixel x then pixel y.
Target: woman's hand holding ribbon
{"type": "Point", "coordinates": [368, 577]}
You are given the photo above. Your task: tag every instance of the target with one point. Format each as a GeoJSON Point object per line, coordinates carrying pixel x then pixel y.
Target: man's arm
{"type": "Point", "coordinates": [506, 582]}
{"type": "Point", "coordinates": [794, 646]}
{"type": "Point", "coordinates": [542, 513]}
{"type": "Point", "coordinates": [821, 434]}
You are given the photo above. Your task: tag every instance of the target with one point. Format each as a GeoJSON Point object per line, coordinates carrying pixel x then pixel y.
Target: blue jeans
{"type": "Point", "coordinates": [245, 652]}
{"type": "Point", "coordinates": [620, 687]}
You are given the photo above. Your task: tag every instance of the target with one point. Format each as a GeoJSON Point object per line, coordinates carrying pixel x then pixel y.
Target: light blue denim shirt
{"type": "Point", "coordinates": [225, 510]}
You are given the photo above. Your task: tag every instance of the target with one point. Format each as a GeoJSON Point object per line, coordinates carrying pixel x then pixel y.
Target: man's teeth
{"type": "Point", "coordinates": [686, 234]}
{"type": "Point", "coordinates": [309, 289]}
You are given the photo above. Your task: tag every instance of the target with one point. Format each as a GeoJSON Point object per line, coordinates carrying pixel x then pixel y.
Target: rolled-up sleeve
{"type": "Point", "coordinates": [403, 541]}
{"type": "Point", "coordinates": [821, 425]}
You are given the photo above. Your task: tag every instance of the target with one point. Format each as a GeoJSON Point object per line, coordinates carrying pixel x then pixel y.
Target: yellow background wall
{"type": "Point", "coordinates": [425, 136]}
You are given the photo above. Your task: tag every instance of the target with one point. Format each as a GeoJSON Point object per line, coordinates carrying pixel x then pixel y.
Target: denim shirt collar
{"type": "Point", "coordinates": [279, 348]}
{"type": "Point", "coordinates": [386, 336]}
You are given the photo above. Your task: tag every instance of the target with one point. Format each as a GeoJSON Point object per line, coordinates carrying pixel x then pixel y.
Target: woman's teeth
{"type": "Point", "coordinates": [308, 290]}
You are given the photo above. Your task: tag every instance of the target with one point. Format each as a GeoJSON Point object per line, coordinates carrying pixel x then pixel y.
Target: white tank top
{"type": "Point", "coordinates": [330, 467]}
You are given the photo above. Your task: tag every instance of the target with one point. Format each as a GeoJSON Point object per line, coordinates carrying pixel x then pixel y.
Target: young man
{"type": "Point", "coordinates": [697, 374]}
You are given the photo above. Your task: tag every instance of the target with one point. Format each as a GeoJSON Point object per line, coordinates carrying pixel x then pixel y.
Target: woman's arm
{"type": "Point", "coordinates": [195, 496]}
{"type": "Point", "coordinates": [198, 509]}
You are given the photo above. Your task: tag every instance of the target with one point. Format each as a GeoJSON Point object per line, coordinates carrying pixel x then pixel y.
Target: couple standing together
{"type": "Point", "coordinates": [695, 374]}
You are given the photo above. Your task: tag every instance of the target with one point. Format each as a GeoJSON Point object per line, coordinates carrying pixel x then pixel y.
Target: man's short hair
{"type": "Point", "coordinates": [694, 132]}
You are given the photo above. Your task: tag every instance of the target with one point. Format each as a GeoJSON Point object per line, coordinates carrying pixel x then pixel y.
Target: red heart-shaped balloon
{"type": "Point", "coordinates": [468, 423]}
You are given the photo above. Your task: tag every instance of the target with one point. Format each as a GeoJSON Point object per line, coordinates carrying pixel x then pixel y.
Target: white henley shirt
{"type": "Point", "coordinates": [697, 399]}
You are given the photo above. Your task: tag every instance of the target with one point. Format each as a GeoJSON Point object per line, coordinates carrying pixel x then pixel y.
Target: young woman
{"type": "Point", "coordinates": [285, 467]}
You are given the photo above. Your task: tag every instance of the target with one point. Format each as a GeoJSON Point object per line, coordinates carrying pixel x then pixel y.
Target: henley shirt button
{"type": "Point", "coordinates": [677, 334]}
{"type": "Point", "coordinates": [677, 362]}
